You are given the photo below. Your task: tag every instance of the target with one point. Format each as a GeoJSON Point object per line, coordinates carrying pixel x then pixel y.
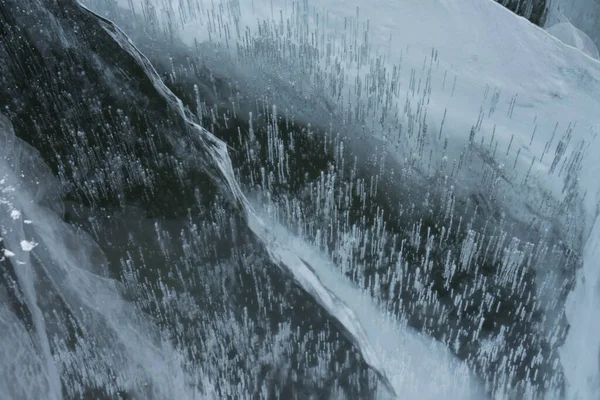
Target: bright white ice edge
{"type": "Point", "coordinates": [568, 34]}
{"type": "Point", "coordinates": [417, 366]}
{"type": "Point", "coordinates": [583, 14]}
{"type": "Point", "coordinates": [482, 44]}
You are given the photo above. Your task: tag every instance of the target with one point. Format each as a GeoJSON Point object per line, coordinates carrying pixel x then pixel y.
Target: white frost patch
{"type": "Point", "coordinates": [8, 253]}
{"type": "Point", "coordinates": [28, 222]}
{"type": "Point", "coordinates": [27, 245]}
{"type": "Point", "coordinates": [15, 214]}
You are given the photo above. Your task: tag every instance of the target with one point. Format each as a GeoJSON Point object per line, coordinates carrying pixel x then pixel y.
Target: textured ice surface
{"type": "Point", "coordinates": [533, 100]}
{"type": "Point", "coordinates": [471, 75]}
{"type": "Point", "coordinates": [416, 366]}
{"type": "Point", "coordinates": [568, 34]}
